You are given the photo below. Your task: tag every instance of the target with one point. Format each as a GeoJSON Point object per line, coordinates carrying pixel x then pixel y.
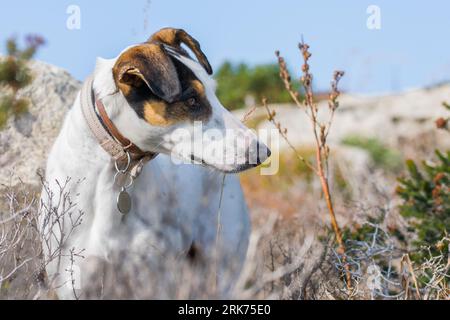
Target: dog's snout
{"type": "Point", "coordinates": [256, 156]}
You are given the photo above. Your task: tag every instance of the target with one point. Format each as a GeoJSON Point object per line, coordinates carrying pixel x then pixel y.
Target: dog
{"type": "Point", "coordinates": [161, 102]}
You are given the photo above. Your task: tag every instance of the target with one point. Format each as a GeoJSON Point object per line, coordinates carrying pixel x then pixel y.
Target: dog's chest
{"type": "Point", "coordinates": [171, 206]}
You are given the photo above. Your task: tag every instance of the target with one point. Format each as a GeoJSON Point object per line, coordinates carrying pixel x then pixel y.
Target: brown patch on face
{"type": "Point", "coordinates": [147, 65]}
{"type": "Point", "coordinates": [194, 107]}
{"type": "Point", "coordinates": [155, 114]}
{"type": "Point", "coordinates": [165, 96]}
{"type": "Point", "coordinates": [198, 87]}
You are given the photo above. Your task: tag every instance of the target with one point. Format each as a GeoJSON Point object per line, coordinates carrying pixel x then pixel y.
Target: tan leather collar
{"type": "Point", "coordinates": [109, 137]}
{"type": "Point", "coordinates": [112, 129]}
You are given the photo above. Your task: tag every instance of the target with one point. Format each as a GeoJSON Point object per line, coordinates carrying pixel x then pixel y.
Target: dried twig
{"type": "Point", "coordinates": [320, 130]}
{"type": "Point", "coordinates": [247, 115]}
{"type": "Point", "coordinates": [406, 260]}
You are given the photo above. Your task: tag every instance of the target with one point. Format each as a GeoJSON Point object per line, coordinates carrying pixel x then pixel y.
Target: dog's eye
{"type": "Point", "coordinates": [191, 102]}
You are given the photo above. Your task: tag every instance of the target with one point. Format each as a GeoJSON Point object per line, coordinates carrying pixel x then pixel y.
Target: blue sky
{"type": "Point", "coordinates": [412, 48]}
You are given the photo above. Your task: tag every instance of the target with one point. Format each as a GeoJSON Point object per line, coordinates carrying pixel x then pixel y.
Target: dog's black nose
{"type": "Point", "coordinates": [255, 155]}
{"type": "Point", "coordinates": [263, 153]}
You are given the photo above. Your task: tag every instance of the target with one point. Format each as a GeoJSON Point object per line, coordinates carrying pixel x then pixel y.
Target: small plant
{"type": "Point", "coordinates": [380, 155]}
{"type": "Point", "coordinates": [426, 197]}
{"type": "Point", "coordinates": [15, 75]}
{"type": "Point", "coordinates": [320, 129]}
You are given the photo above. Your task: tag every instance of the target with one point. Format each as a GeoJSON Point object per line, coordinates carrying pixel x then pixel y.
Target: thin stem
{"type": "Point", "coordinates": [320, 132]}
{"type": "Point", "coordinates": [271, 118]}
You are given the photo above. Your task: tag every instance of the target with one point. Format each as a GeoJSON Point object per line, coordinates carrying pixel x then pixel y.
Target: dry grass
{"type": "Point", "coordinates": [22, 272]}
{"type": "Point", "coordinates": [290, 256]}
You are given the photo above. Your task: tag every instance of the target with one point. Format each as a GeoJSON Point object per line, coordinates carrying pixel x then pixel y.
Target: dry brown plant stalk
{"type": "Point", "coordinates": [407, 261]}
{"type": "Point", "coordinates": [320, 130]}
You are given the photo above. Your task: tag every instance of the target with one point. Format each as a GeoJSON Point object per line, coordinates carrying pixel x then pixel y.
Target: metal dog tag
{"type": "Point", "coordinates": [124, 201]}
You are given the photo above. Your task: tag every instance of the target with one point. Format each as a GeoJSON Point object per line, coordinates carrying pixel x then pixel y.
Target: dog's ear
{"type": "Point", "coordinates": [147, 64]}
{"type": "Point", "coordinates": [175, 37]}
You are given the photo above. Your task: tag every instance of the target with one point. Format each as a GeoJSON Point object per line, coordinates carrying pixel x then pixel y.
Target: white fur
{"type": "Point", "coordinates": [173, 205]}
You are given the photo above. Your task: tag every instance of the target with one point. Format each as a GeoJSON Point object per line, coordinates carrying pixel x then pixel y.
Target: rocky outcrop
{"type": "Point", "coordinates": [26, 140]}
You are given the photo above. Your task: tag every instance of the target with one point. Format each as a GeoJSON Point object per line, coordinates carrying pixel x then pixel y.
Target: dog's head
{"type": "Point", "coordinates": [178, 113]}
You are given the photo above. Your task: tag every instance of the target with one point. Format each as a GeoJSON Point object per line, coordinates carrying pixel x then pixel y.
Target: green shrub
{"type": "Point", "coordinates": [381, 155]}
{"type": "Point", "coordinates": [15, 75]}
{"type": "Point", "coordinates": [236, 82]}
{"type": "Point", "coordinates": [426, 198]}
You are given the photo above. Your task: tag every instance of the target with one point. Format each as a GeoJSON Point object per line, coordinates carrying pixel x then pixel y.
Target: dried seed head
{"type": "Point", "coordinates": [338, 74]}
{"type": "Point", "coordinates": [436, 192]}
{"type": "Point", "coordinates": [440, 245]}
{"type": "Point", "coordinates": [437, 178]}
{"type": "Point", "coordinates": [303, 46]}
{"type": "Point", "coordinates": [441, 123]}
{"type": "Point", "coordinates": [322, 134]}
